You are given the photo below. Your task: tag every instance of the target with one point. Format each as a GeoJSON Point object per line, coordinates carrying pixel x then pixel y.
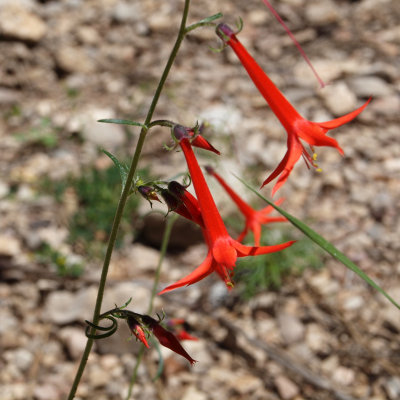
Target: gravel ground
{"type": "Point", "coordinates": [324, 334]}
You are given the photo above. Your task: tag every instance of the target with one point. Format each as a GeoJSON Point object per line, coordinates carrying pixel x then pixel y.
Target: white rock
{"type": "Point", "coordinates": [75, 340]}
{"type": "Point", "coordinates": [292, 330]}
{"type": "Point", "coordinates": [9, 246]}
{"type": "Point", "coordinates": [192, 393]}
{"type": "Point", "coordinates": [339, 98]}
{"type": "Point", "coordinates": [22, 358]}
{"type": "Point", "coordinates": [322, 12]}
{"type": "Point", "coordinates": [343, 376]}
{"type": "Point", "coordinates": [63, 307]}
{"type": "Point", "coordinates": [74, 59]}
{"type": "Point", "coordinates": [145, 258]}
{"type": "Point", "coordinates": [365, 86]}
{"type": "Point", "coordinates": [19, 23]}
{"type": "Point", "coordinates": [246, 384]}
{"type": "Point", "coordinates": [286, 388]}
{"type": "Point", "coordinates": [105, 135]}
{"type": "Point", "coordinates": [46, 392]}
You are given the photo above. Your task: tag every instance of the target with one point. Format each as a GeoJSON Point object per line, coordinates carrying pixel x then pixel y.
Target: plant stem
{"type": "Point", "coordinates": [163, 250]}
{"type": "Point", "coordinates": [124, 197]}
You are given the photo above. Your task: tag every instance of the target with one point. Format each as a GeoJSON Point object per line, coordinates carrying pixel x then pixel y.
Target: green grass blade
{"type": "Point", "coordinates": [324, 244]}
{"type": "Point", "coordinates": [120, 121]}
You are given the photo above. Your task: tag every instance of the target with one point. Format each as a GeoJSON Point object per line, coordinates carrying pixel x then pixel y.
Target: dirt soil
{"type": "Point", "coordinates": [324, 334]}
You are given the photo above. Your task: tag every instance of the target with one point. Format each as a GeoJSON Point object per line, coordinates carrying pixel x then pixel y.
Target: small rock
{"type": "Point", "coordinates": [246, 384]}
{"type": "Point", "coordinates": [22, 358]}
{"type": "Point", "coordinates": [192, 393]}
{"type": "Point", "coordinates": [286, 388]}
{"type": "Point", "coordinates": [388, 106]}
{"type": "Point", "coordinates": [75, 340]}
{"type": "Point", "coordinates": [97, 376]}
{"type": "Point", "coordinates": [145, 258]}
{"type": "Point", "coordinates": [46, 392]}
{"type": "Point", "coordinates": [292, 330]}
{"type": "Point", "coordinates": [9, 96]}
{"type": "Point", "coordinates": [19, 23]}
{"type": "Point", "coordinates": [105, 135]}
{"type": "Point", "coordinates": [322, 12]}
{"type": "Point", "coordinates": [63, 307]}
{"type": "Point", "coordinates": [127, 12]}
{"type": "Point", "coordinates": [74, 59]}
{"type": "Point", "coordinates": [9, 246]}
{"type": "Point", "coordinates": [365, 86]}
{"type": "Point", "coordinates": [343, 376]}
{"type": "Point", "coordinates": [317, 339]}
{"type": "Point", "coordinates": [392, 387]}
{"type": "Point", "coordinates": [339, 98]}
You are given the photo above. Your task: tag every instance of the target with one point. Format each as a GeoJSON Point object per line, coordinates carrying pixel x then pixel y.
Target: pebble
{"type": "Point", "coordinates": [21, 358]}
{"type": "Point", "coordinates": [192, 393]}
{"type": "Point", "coordinates": [74, 59]}
{"type": "Point", "coordinates": [46, 391]}
{"type": "Point", "coordinates": [245, 384]}
{"type": "Point", "coordinates": [9, 246]}
{"type": "Point", "coordinates": [18, 23]}
{"type": "Point", "coordinates": [392, 387]}
{"type": "Point", "coordinates": [339, 98]}
{"type": "Point", "coordinates": [366, 86]}
{"type": "Point", "coordinates": [108, 136]}
{"type": "Point", "coordinates": [322, 12]}
{"type": "Point", "coordinates": [75, 341]}
{"type": "Point", "coordinates": [291, 328]}
{"type": "Point", "coordinates": [343, 376]}
{"type": "Point", "coordinates": [287, 389]}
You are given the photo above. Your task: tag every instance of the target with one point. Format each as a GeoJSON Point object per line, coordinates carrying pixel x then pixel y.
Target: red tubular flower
{"type": "Point", "coordinates": [254, 218]}
{"type": "Point", "coordinates": [166, 338]}
{"type": "Point", "coordinates": [137, 330]}
{"type": "Point", "coordinates": [196, 139]}
{"type": "Point", "coordinates": [223, 249]}
{"type": "Point", "coordinates": [297, 127]}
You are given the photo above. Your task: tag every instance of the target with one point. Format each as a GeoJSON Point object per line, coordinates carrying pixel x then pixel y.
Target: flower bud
{"type": "Point", "coordinates": [137, 330]}
{"type": "Point", "coordinates": [224, 32]}
{"type": "Point", "coordinates": [148, 193]}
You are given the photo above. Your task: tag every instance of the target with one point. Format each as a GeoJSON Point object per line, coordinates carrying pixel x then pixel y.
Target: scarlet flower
{"type": "Point", "coordinates": [223, 249]}
{"type": "Point", "coordinates": [180, 327]}
{"type": "Point", "coordinates": [297, 127]}
{"type": "Point", "coordinates": [197, 139]}
{"type": "Point", "coordinates": [137, 330]}
{"type": "Point", "coordinates": [166, 338]}
{"type": "Point", "coordinates": [254, 218]}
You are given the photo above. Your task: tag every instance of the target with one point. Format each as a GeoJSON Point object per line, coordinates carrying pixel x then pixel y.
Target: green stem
{"type": "Point", "coordinates": [163, 251]}
{"type": "Point", "coordinates": [124, 197]}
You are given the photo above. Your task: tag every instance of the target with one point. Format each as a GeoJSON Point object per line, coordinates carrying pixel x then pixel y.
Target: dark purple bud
{"type": "Point", "coordinates": [176, 189]}
{"type": "Point", "coordinates": [224, 32]}
{"type": "Point", "coordinates": [148, 193]}
{"type": "Point", "coordinates": [181, 132]}
{"type": "Point", "coordinates": [209, 169]}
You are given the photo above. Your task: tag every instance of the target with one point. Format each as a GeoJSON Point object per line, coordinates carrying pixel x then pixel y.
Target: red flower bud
{"type": "Point", "coordinates": [137, 330]}
{"type": "Point", "coordinates": [166, 338]}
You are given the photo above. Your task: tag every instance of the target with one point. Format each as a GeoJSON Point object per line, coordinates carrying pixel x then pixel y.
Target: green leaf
{"type": "Point", "coordinates": [121, 122]}
{"type": "Point", "coordinates": [324, 244]}
{"type": "Point", "coordinates": [204, 22]}
{"type": "Point", "coordinates": [122, 168]}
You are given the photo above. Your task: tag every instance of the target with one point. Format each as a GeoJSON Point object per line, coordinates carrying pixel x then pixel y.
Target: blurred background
{"type": "Point", "coordinates": [298, 325]}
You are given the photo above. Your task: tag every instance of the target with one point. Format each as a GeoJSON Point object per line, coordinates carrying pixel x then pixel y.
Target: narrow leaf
{"type": "Point", "coordinates": [122, 168]}
{"type": "Point", "coordinates": [324, 244]}
{"type": "Point", "coordinates": [120, 121]}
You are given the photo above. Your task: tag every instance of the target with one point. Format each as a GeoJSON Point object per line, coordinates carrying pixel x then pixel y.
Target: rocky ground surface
{"type": "Point", "coordinates": [323, 334]}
